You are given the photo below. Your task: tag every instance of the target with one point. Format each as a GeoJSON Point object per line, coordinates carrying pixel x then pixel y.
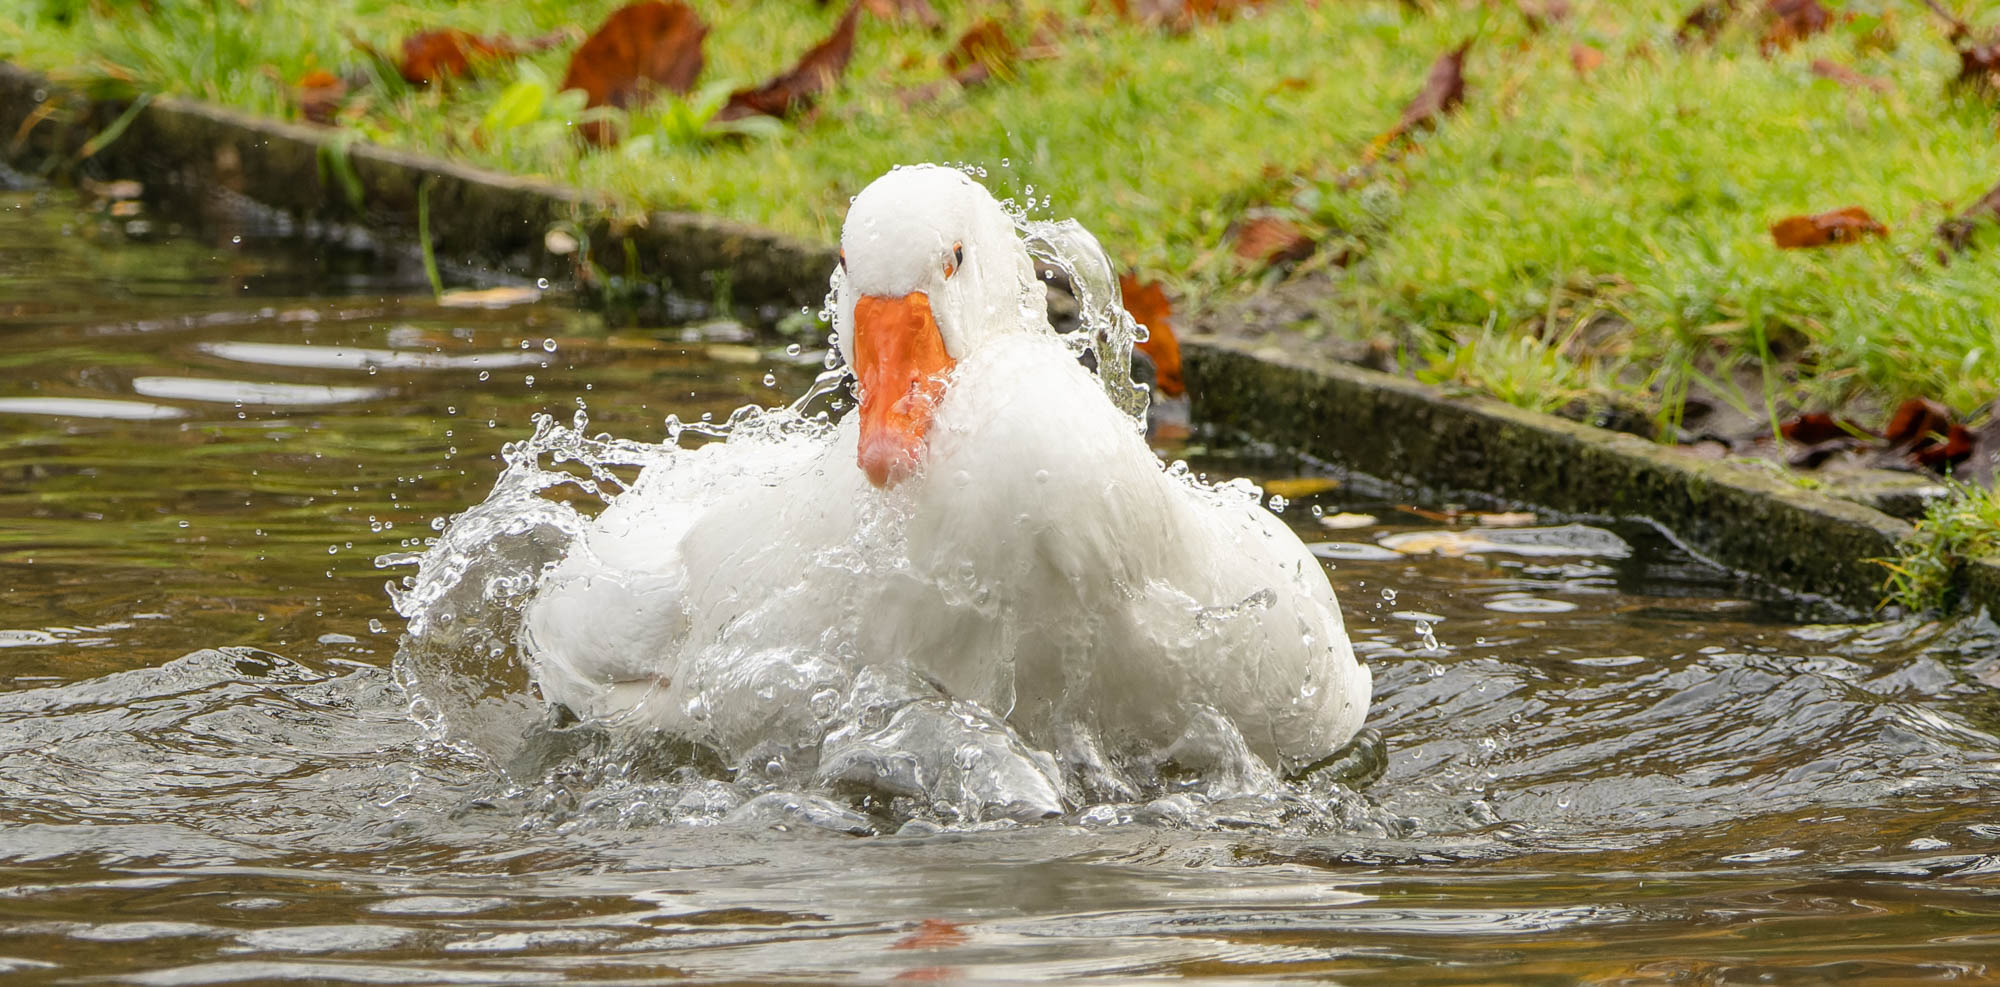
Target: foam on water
{"type": "Point", "coordinates": [790, 711]}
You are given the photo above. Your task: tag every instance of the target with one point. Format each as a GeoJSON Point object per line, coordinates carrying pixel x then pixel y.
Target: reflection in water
{"type": "Point", "coordinates": [1602, 767]}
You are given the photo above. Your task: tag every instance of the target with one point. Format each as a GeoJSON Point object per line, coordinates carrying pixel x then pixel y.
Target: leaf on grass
{"type": "Point", "coordinates": [1585, 59]}
{"type": "Point", "coordinates": [319, 94]}
{"type": "Point", "coordinates": [1271, 240]}
{"type": "Point", "coordinates": [794, 91]}
{"type": "Point", "coordinates": [1839, 226]}
{"type": "Point", "coordinates": [933, 933]}
{"type": "Point", "coordinates": [1978, 65]}
{"type": "Point", "coordinates": [1788, 22]}
{"type": "Point", "coordinates": [1837, 72]}
{"type": "Point", "coordinates": [1444, 90]}
{"type": "Point", "coordinates": [1817, 427]}
{"type": "Point", "coordinates": [440, 54]}
{"type": "Point", "coordinates": [918, 12]}
{"type": "Point", "coordinates": [1542, 15]}
{"type": "Point", "coordinates": [1916, 421]}
{"type": "Point", "coordinates": [1957, 231]}
{"type": "Point", "coordinates": [981, 53]}
{"type": "Point", "coordinates": [641, 45]}
{"type": "Point", "coordinates": [1148, 304]}
{"type": "Point", "coordinates": [1181, 15]}
{"type": "Point", "coordinates": [1705, 21]}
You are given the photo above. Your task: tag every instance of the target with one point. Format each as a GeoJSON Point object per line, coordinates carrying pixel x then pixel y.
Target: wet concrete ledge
{"type": "Point", "coordinates": [1744, 517]}
{"type": "Point", "coordinates": [480, 219]}
{"type": "Point", "coordinates": [1739, 516]}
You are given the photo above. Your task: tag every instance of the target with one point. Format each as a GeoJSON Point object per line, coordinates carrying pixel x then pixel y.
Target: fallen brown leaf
{"type": "Point", "coordinates": [933, 933]}
{"type": "Point", "coordinates": [1147, 302]}
{"type": "Point", "coordinates": [1541, 15]}
{"type": "Point", "coordinates": [319, 94]}
{"type": "Point", "coordinates": [1271, 240]}
{"type": "Point", "coordinates": [918, 12]}
{"type": "Point", "coordinates": [1957, 231]}
{"type": "Point", "coordinates": [1705, 21]}
{"type": "Point", "coordinates": [1839, 226]}
{"type": "Point", "coordinates": [438, 55]}
{"type": "Point", "coordinates": [1788, 22]}
{"type": "Point", "coordinates": [1181, 15]}
{"type": "Point", "coordinates": [1916, 421]}
{"type": "Point", "coordinates": [981, 53]}
{"type": "Point", "coordinates": [1444, 90]}
{"type": "Point", "coordinates": [1837, 72]}
{"type": "Point", "coordinates": [1585, 59]}
{"type": "Point", "coordinates": [644, 44]}
{"type": "Point", "coordinates": [1978, 64]}
{"type": "Point", "coordinates": [795, 91]}
{"type": "Point", "coordinates": [1817, 427]}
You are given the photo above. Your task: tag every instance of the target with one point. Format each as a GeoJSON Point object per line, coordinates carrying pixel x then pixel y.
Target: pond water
{"type": "Point", "coordinates": [1605, 761]}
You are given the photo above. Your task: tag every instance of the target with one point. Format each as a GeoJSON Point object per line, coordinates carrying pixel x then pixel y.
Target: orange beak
{"type": "Point", "coordinates": [900, 363]}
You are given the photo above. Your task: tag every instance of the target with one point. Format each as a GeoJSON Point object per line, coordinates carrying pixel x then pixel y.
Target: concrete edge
{"type": "Point", "coordinates": [477, 218]}
{"type": "Point", "coordinates": [1739, 516]}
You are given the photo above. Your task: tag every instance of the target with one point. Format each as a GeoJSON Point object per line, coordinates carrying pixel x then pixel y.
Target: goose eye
{"type": "Point", "coordinates": [957, 259]}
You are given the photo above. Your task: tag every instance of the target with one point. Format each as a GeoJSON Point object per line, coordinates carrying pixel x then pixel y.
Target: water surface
{"type": "Point", "coordinates": [1606, 762]}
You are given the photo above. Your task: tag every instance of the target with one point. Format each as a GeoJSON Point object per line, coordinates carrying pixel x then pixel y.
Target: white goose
{"type": "Point", "coordinates": [987, 522]}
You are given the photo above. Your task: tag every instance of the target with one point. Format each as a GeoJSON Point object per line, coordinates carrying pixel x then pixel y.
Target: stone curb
{"type": "Point", "coordinates": [478, 218]}
{"type": "Point", "coordinates": [1739, 516]}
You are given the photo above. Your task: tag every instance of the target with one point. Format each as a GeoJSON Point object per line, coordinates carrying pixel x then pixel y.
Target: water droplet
{"type": "Point", "coordinates": [792, 349]}
{"type": "Point", "coordinates": [485, 375]}
{"type": "Point", "coordinates": [548, 345]}
{"type": "Point", "coordinates": [770, 380]}
{"type": "Point", "coordinates": [183, 524]}
{"type": "Point", "coordinates": [1388, 595]}
{"type": "Point", "coordinates": [542, 283]}
{"type": "Point", "coordinates": [235, 239]}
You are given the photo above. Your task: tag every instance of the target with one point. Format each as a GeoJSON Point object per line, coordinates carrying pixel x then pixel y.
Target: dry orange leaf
{"type": "Point", "coordinates": [1957, 231]}
{"type": "Point", "coordinates": [795, 91]}
{"type": "Point", "coordinates": [1585, 59]}
{"type": "Point", "coordinates": [1444, 90]}
{"type": "Point", "coordinates": [980, 53]}
{"type": "Point", "coordinates": [437, 55]}
{"type": "Point", "coordinates": [915, 11]}
{"type": "Point", "coordinates": [934, 933]}
{"type": "Point", "coordinates": [1180, 15]}
{"type": "Point", "coordinates": [1839, 226]}
{"type": "Point", "coordinates": [649, 43]}
{"type": "Point", "coordinates": [1837, 72]}
{"type": "Point", "coordinates": [1541, 15]}
{"type": "Point", "coordinates": [1149, 307]}
{"type": "Point", "coordinates": [320, 93]}
{"type": "Point", "coordinates": [1788, 22]}
{"type": "Point", "coordinates": [1270, 240]}
{"type": "Point", "coordinates": [1705, 21]}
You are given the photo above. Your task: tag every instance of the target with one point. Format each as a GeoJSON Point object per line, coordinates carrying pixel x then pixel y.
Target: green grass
{"type": "Point", "coordinates": [1955, 530]}
{"type": "Point", "coordinates": [1558, 238]}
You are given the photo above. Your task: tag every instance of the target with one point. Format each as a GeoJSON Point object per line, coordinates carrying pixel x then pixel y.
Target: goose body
{"type": "Point", "coordinates": [987, 527]}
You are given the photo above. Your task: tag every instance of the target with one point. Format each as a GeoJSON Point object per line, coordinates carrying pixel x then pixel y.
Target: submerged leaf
{"type": "Point", "coordinates": [1297, 487]}
{"type": "Point", "coordinates": [934, 933]}
{"type": "Point", "coordinates": [644, 44]}
{"type": "Point", "coordinates": [1839, 226]}
{"type": "Point", "coordinates": [795, 91]}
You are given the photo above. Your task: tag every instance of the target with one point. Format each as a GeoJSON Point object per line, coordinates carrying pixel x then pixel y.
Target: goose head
{"type": "Point", "coordinates": [933, 270]}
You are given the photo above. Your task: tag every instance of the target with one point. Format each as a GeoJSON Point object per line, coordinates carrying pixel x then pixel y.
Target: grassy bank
{"type": "Point", "coordinates": [1567, 233]}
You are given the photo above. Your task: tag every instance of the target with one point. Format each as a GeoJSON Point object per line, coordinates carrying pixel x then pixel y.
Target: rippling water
{"type": "Point", "coordinates": [1606, 763]}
